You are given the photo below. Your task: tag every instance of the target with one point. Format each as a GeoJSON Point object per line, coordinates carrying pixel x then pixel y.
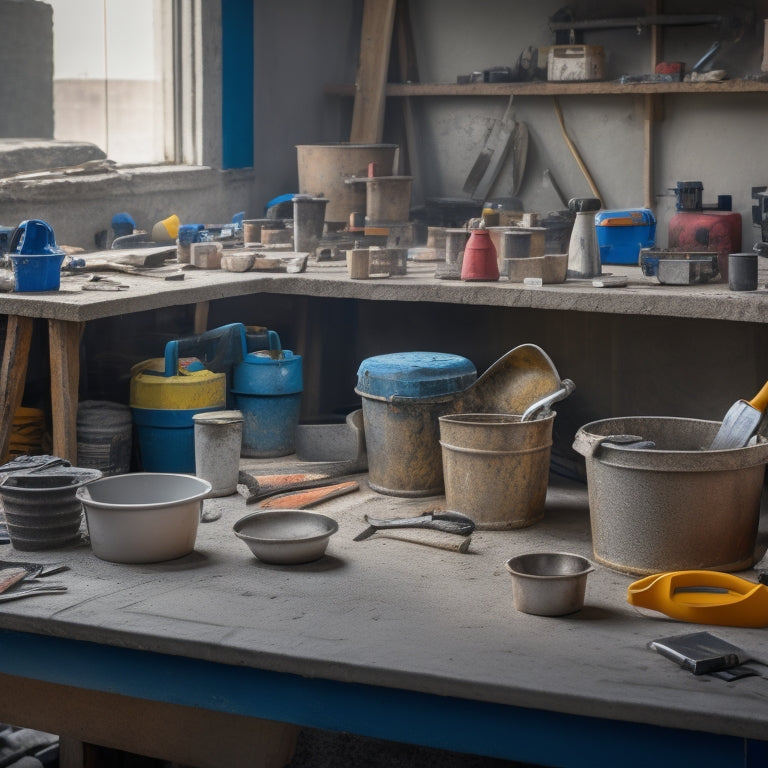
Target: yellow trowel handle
{"type": "Point", "coordinates": [760, 400]}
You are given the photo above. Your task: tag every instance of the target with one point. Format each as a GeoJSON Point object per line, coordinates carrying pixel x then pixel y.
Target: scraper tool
{"type": "Point", "coordinates": [741, 422]}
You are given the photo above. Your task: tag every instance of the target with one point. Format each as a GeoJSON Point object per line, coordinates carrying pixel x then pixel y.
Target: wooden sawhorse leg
{"type": "Point", "coordinates": [64, 353]}
{"type": "Point", "coordinates": [13, 374]}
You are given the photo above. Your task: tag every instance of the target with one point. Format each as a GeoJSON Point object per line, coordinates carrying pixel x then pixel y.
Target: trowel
{"type": "Point", "coordinates": [741, 422]}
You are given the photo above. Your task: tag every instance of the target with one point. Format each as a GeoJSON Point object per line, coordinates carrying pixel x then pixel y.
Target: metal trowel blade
{"type": "Point", "coordinates": [741, 422]}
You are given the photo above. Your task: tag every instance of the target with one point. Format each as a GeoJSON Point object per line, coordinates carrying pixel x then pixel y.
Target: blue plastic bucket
{"type": "Point", "coordinates": [166, 438]}
{"type": "Point", "coordinates": [267, 390]}
{"type": "Point", "coordinates": [33, 272]}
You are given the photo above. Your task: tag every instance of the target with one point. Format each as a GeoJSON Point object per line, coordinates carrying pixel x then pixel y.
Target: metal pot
{"type": "Point", "coordinates": [673, 506]}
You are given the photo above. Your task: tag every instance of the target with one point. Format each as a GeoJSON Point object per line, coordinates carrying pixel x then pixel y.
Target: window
{"type": "Point", "coordinates": [121, 69]}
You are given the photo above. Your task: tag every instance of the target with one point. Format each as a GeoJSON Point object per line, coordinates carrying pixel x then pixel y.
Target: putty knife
{"type": "Point", "coordinates": [741, 422]}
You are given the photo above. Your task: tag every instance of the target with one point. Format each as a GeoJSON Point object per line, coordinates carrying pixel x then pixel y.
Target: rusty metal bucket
{"type": "Point", "coordinates": [675, 506]}
{"type": "Point", "coordinates": [496, 467]}
{"type": "Point", "coordinates": [325, 168]}
{"type": "Point", "coordinates": [403, 432]}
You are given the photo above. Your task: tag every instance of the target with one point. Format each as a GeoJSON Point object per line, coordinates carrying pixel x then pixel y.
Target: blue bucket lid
{"type": "Point", "coordinates": [414, 374]}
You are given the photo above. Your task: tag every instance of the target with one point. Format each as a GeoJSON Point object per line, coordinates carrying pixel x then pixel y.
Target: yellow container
{"type": "Point", "coordinates": [188, 389]}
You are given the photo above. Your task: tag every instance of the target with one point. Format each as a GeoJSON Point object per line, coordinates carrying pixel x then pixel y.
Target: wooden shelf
{"type": "Point", "coordinates": [611, 88]}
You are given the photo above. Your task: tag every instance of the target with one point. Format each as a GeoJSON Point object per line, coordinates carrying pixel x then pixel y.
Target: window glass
{"type": "Point", "coordinates": [109, 64]}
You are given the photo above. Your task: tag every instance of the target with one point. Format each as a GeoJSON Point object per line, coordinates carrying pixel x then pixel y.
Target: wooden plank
{"type": "Point", "coordinates": [604, 88]}
{"type": "Point", "coordinates": [186, 735]}
{"type": "Point", "coordinates": [409, 73]}
{"type": "Point", "coordinates": [13, 374]}
{"type": "Point", "coordinates": [64, 352]}
{"type": "Point", "coordinates": [373, 65]}
{"type": "Point", "coordinates": [651, 108]}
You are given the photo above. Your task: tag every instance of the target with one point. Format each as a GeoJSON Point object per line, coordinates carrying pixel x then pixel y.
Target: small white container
{"type": "Point", "coordinates": [218, 443]}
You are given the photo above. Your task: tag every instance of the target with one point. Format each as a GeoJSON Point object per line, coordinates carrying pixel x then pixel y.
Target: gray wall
{"type": "Point", "coordinates": [26, 69]}
{"type": "Point", "coordinates": [716, 139]}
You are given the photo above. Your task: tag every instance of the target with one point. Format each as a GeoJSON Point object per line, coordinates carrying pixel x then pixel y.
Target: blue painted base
{"type": "Point", "coordinates": [461, 725]}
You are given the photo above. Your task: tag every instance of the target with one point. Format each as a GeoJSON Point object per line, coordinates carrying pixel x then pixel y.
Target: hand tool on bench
{"type": "Point", "coordinates": [426, 538]}
{"type": "Point", "coordinates": [446, 521]}
{"type": "Point", "coordinates": [310, 497]}
{"type": "Point", "coordinates": [263, 486]}
{"type": "Point", "coordinates": [741, 422]}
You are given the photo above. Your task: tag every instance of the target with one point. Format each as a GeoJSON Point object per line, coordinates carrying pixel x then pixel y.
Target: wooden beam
{"type": "Point", "coordinates": [651, 111]}
{"type": "Point", "coordinates": [373, 65]}
{"type": "Point", "coordinates": [64, 352]}
{"type": "Point", "coordinates": [186, 735]}
{"type": "Point", "coordinates": [13, 374]}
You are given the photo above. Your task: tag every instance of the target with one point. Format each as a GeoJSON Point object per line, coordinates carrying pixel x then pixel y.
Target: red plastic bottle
{"type": "Point", "coordinates": [480, 261]}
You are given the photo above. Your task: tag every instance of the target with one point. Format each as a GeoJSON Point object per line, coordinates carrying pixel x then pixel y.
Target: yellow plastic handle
{"type": "Point", "coordinates": [703, 597]}
{"type": "Point", "coordinates": [760, 400]}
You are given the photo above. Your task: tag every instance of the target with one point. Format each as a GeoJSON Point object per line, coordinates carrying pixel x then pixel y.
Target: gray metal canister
{"type": "Point", "coordinates": [404, 394]}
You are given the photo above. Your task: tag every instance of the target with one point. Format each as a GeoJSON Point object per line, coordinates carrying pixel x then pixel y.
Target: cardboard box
{"type": "Point", "coordinates": [575, 62]}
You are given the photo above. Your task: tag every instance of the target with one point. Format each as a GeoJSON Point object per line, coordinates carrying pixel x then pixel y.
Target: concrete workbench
{"type": "Point", "coordinates": [69, 309]}
{"type": "Point", "coordinates": [381, 638]}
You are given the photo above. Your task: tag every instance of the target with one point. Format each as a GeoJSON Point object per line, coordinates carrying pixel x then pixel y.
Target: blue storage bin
{"type": "Point", "coordinates": [622, 233]}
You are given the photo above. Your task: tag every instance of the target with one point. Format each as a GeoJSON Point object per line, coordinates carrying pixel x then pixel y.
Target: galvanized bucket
{"type": "Point", "coordinates": [403, 396]}
{"type": "Point", "coordinates": [496, 467]}
{"type": "Point", "coordinates": [676, 506]}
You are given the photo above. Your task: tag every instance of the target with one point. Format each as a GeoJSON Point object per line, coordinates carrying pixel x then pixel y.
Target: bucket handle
{"type": "Point", "coordinates": [172, 347]}
{"type": "Point", "coordinates": [589, 445]}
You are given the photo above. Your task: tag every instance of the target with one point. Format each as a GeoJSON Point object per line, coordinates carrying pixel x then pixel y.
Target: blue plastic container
{"type": "Point", "coordinates": [35, 257]}
{"type": "Point", "coordinates": [622, 233]}
{"type": "Point", "coordinates": [167, 438]}
{"type": "Point", "coordinates": [404, 394]}
{"type": "Point", "coordinates": [267, 387]}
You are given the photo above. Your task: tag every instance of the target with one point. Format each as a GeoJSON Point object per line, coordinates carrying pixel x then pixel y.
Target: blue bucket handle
{"type": "Point", "coordinates": [172, 347]}
{"type": "Point", "coordinates": [34, 237]}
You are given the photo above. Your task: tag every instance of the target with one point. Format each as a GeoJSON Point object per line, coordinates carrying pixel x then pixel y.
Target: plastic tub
{"type": "Point", "coordinates": [143, 517]}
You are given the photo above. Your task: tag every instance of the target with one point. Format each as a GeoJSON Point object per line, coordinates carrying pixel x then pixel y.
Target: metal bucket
{"type": "Point", "coordinates": [324, 168]}
{"type": "Point", "coordinates": [404, 394]}
{"type": "Point", "coordinates": [496, 467]}
{"type": "Point", "coordinates": [677, 506]}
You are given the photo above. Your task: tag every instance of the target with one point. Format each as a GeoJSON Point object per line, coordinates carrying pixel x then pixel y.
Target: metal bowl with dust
{"type": "Point", "coordinates": [143, 517]}
{"type": "Point", "coordinates": [286, 536]}
{"type": "Point", "coordinates": [549, 583]}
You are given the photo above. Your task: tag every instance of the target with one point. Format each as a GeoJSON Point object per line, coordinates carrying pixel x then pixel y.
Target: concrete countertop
{"type": "Point", "coordinates": [642, 296]}
{"type": "Point", "coordinates": [395, 614]}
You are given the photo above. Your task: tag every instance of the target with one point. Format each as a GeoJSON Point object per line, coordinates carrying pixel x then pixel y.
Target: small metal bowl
{"type": "Point", "coordinates": [549, 583]}
{"type": "Point", "coordinates": [286, 536]}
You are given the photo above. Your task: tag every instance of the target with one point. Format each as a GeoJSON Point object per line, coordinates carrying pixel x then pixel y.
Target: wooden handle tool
{"type": "Point", "coordinates": [427, 538]}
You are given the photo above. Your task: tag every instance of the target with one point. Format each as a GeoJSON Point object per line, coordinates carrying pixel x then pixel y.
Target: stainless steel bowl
{"type": "Point", "coordinates": [144, 517]}
{"type": "Point", "coordinates": [286, 536]}
{"type": "Point", "coordinates": [549, 583]}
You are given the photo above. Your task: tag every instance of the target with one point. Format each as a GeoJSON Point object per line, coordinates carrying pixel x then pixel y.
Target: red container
{"type": "Point", "coordinates": [479, 261]}
{"type": "Point", "coordinates": [714, 231]}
